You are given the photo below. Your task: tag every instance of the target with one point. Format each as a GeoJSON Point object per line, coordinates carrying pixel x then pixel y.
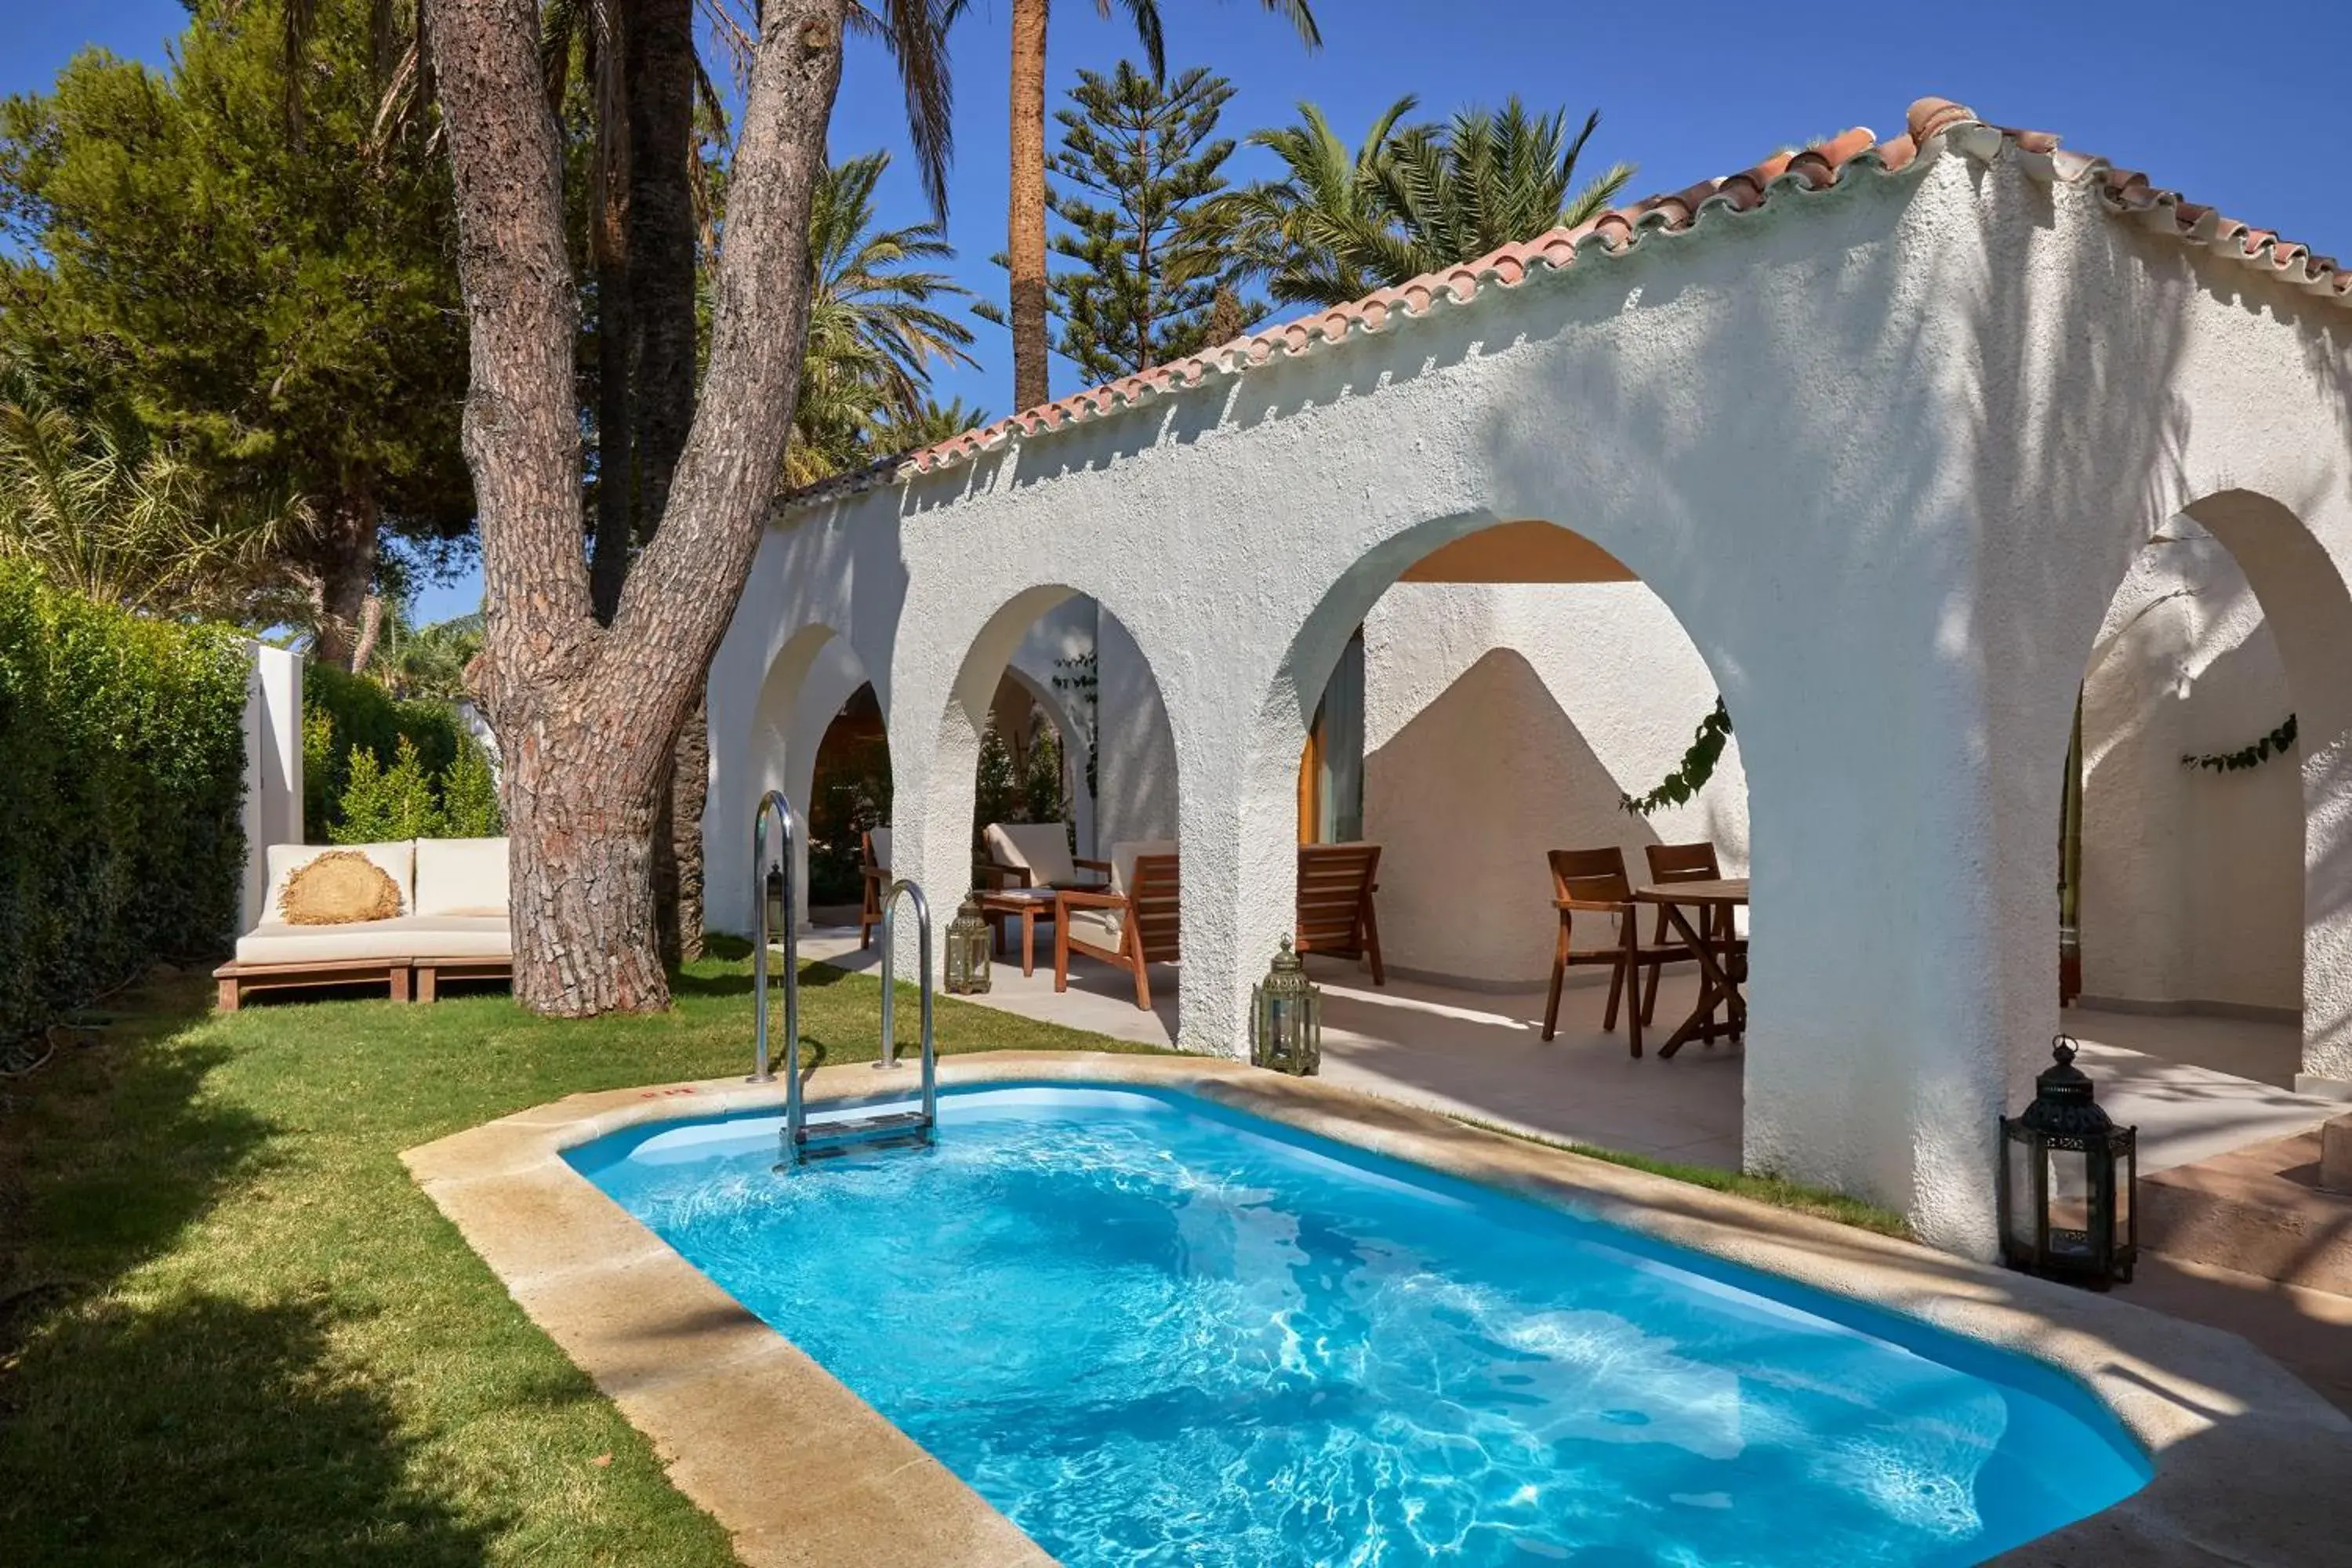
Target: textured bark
{"type": "Point", "coordinates": [587, 714]}
{"type": "Point", "coordinates": [1026, 240]}
{"type": "Point", "coordinates": [615, 535]}
{"type": "Point", "coordinates": [662, 233]}
{"type": "Point", "coordinates": [677, 842]}
{"type": "Point", "coordinates": [342, 561]}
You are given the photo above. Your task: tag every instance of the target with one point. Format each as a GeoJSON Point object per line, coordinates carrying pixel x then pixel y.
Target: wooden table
{"type": "Point", "coordinates": [1025, 904]}
{"type": "Point", "coordinates": [1722, 958]}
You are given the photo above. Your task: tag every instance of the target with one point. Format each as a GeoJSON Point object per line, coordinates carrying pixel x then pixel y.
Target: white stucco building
{"type": "Point", "coordinates": [1896, 444]}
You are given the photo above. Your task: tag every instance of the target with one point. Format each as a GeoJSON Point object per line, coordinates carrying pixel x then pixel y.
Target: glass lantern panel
{"type": "Point", "coordinates": [2022, 1215]}
{"type": "Point", "coordinates": [2123, 1173]}
{"type": "Point", "coordinates": [2070, 1200]}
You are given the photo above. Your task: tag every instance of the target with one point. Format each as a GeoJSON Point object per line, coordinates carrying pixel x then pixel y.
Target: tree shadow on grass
{"type": "Point", "coordinates": [814, 976]}
{"type": "Point", "coordinates": [111, 1153]}
{"type": "Point", "coordinates": [210, 1430]}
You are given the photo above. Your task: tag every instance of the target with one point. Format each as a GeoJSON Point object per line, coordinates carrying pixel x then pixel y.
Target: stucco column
{"type": "Point", "coordinates": [1904, 940]}
{"type": "Point", "coordinates": [1239, 845]}
{"type": "Point", "coordinates": [2327, 917]}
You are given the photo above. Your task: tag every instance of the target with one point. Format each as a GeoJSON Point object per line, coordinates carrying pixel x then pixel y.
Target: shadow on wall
{"type": "Point", "coordinates": [1465, 799]}
{"type": "Point", "coordinates": [2193, 878]}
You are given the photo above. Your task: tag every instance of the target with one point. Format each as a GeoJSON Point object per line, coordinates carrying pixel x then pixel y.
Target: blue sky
{"type": "Point", "coordinates": [2245, 117]}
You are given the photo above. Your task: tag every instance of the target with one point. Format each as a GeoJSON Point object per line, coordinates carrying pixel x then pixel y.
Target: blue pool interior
{"type": "Point", "coordinates": [1153, 1330]}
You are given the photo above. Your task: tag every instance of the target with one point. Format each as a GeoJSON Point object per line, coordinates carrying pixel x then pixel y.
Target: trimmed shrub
{"type": "Point", "coordinates": [345, 714]}
{"type": "Point", "coordinates": [401, 802]}
{"type": "Point", "coordinates": [122, 774]}
{"type": "Point", "coordinates": [469, 795]}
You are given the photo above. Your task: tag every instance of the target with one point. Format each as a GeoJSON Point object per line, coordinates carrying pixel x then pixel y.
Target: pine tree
{"type": "Point", "coordinates": [1138, 157]}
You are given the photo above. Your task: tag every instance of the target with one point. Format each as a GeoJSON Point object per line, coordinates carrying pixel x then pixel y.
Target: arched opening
{"type": "Point", "coordinates": [1057, 731]}
{"type": "Point", "coordinates": [848, 802]}
{"type": "Point", "coordinates": [2200, 906]}
{"type": "Point", "coordinates": [818, 704]}
{"type": "Point", "coordinates": [1497, 694]}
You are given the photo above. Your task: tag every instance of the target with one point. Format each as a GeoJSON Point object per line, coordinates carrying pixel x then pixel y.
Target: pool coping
{"type": "Point", "coordinates": [800, 1471]}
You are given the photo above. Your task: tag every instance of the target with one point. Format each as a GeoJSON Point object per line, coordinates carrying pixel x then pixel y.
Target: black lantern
{"type": "Point", "coordinates": [2066, 1181]}
{"type": "Point", "coordinates": [1287, 1018]}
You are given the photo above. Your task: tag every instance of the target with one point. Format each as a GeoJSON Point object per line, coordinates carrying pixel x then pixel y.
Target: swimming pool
{"type": "Point", "coordinates": [1151, 1330]}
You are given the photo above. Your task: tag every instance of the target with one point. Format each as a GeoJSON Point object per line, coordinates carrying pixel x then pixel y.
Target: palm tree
{"type": "Point", "coordinates": [426, 661]}
{"type": "Point", "coordinates": [1026, 240]}
{"type": "Point", "coordinates": [874, 327]}
{"type": "Point", "coordinates": [1311, 234]}
{"type": "Point", "coordinates": [100, 507]}
{"type": "Point", "coordinates": [927, 426]}
{"type": "Point", "coordinates": [1412, 199]}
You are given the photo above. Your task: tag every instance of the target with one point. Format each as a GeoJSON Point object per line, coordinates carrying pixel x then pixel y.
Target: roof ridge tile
{"type": "Point", "coordinates": [1613, 233]}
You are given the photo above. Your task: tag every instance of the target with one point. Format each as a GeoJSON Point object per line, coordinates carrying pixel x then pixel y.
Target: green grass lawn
{"type": "Point", "coordinates": [232, 1329]}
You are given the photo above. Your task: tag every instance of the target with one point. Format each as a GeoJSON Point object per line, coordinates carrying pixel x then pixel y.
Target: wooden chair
{"type": "Point", "coordinates": [874, 866]}
{"type": "Point", "coordinates": [1035, 855]}
{"type": "Point", "coordinates": [1335, 902]}
{"type": "Point", "coordinates": [1593, 882]}
{"type": "Point", "coordinates": [1130, 925]}
{"type": "Point", "coordinates": [1683, 863]}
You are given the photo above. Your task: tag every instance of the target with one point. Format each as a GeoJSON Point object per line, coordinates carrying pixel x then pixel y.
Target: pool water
{"type": "Point", "coordinates": [1153, 1331]}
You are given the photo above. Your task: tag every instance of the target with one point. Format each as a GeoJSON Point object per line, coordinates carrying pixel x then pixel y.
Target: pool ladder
{"type": "Point", "coordinates": [803, 1141]}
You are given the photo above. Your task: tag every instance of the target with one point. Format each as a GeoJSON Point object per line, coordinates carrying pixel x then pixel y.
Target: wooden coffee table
{"type": "Point", "coordinates": [1722, 958]}
{"type": "Point", "coordinates": [1025, 904]}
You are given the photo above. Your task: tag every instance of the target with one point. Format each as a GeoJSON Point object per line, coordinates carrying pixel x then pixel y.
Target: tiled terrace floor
{"type": "Point", "coordinates": [1479, 1054]}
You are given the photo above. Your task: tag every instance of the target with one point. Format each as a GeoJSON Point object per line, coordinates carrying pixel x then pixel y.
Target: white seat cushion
{"type": "Point", "coordinates": [396, 860]}
{"type": "Point", "coordinates": [1123, 858]}
{"type": "Point", "coordinates": [1096, 928]}
{"type": "Point", "coordinates": [410, 936]}
{"type": "Point", "coordinates": [461, 877]}
{"type": "Point", "coordinates": [1040, 848]}
{"type": "Point", "coordinates": [880, 840]}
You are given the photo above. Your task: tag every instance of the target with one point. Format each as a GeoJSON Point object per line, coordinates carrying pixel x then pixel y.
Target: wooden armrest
{"type": "Point", "coordinates": [1592, 907]}
{"type": "Point", "coordinates": [1070, 898]}
{"type": "Point", "coordinates": [1100, 867]}
{"type": "Point", "coordinates": [998, 875]}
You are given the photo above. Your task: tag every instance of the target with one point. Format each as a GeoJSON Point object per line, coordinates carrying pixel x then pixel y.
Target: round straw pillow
{"type": "Point", "coordinates": [336, 889]}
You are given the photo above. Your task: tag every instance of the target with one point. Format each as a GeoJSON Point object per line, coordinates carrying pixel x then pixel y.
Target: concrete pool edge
{"type": "Point", "coordinates": [800, 1471]}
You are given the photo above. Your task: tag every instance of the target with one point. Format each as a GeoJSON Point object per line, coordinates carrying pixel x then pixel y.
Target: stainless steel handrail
{"type": "Point", "coordinates": [773, 803]}
{"type": "Point", "coordinates": [923, 978]}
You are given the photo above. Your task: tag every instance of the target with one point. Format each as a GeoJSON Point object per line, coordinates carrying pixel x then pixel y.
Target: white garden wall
{"type": "Point", "coordinates": [1885, 448]}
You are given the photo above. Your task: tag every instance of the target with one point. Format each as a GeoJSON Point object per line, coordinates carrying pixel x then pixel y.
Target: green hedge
{"type": "Point", "coordinates": [121, 780]}
{"type": "Point", "coordinates": [342, 712]}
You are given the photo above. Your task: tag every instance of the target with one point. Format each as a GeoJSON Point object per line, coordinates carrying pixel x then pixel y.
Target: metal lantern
{"type": "Point", "coordinates": [1287, 1018]}
{"type": "Point", "coordinates": [2066, 1175]}
{"type": "Point", "coordinates": [773, 894]}
{"type": "Point", "coordinates": [968, 952]}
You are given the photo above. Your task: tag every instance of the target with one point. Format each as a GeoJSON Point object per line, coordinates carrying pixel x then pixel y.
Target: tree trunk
{"type": "Point", "coordinates": [660, 40]}
{"type": "Point", "coordinates": [615, 535]}
{"type": "Point", "coordinates": [1025, 241]}
{"type": "Point", "coordinates": [344, 558]}
{"type": "Point", "coordinates": [662, 234]}
{"type": "Point", "coordinates": [588, 715]}
{"type": "Point", "coordinates": [677, 842]}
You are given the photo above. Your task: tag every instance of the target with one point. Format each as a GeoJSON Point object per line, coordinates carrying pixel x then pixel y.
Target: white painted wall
{"type": "Point", "coordinates": [2192, 879]}
{"type": "Point", "coordinates": [1137, 769]}
{"type": "Point", "coordinates": [1885, 448]}
{"type": "Point", "coordinates": [273, 769]}
{"type": "Point", "coordinates": [1505, 722]}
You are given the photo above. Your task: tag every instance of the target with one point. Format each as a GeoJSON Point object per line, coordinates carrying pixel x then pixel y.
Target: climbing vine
{"type": "Point", "coordinates": [1690, 775]}
{"type": "Point", "coordinates": [2278, 742]}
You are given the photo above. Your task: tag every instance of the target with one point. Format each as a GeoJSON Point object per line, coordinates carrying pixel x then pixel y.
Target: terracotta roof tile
{"type": "Point", "coordinates": [2126, 192]}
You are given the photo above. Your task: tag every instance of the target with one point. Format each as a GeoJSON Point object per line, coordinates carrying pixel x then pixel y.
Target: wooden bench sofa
{"type": "Point", "coordinates": [452, 925]}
